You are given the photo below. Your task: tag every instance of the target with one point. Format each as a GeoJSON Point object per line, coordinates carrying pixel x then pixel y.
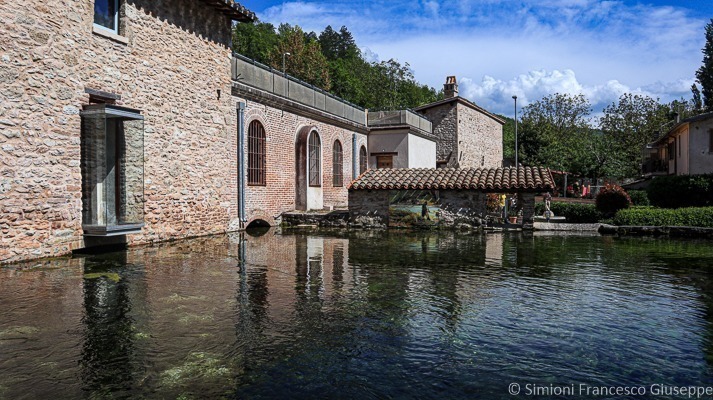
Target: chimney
{"type": "Point", "coordinates": [450, 89]}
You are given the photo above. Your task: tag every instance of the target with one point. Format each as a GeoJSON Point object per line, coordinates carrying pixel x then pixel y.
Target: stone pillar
{"type": "Point", "coordinates": [528, 209]}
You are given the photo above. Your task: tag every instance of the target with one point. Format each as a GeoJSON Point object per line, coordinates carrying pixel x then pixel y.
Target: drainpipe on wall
{"type": "Point", "coordinates": [354, 156]}
{"type": "Point", "coordinates": [241, 163]}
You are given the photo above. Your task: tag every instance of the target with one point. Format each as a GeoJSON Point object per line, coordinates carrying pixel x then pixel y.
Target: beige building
{"type": "Point", "coordinates": [467, 136]}
{"type": "Point", "coordinates": [400, 139]}
{"type": "Point", "coordinates": [686, 149]}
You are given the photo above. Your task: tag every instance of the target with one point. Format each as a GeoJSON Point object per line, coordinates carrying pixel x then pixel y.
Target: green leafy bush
{"type": "Point", "coordinates": [639, 198]}
{"type": "Point", "coordinates": [649, 216]}
{"type": "Point", "coordinates": [573, 212]}
{"type": "Point", "coordinates": [611, 199]}
{"type": "Point", "coordinates": [674, 191]}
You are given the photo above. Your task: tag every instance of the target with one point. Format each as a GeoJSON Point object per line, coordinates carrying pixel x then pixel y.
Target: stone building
{"type": "Point", "coordinates": [448, 197]}
{"type": "Point", "coordinates": [129, 122]}
{"type": "Point", "coordinates": [467, 136]}
{"type": "Point", "coordinates": [303, 146]}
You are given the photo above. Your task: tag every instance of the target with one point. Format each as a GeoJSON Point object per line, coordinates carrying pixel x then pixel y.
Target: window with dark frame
{"type": "Point", "coordinates": [257, 155]}
{"type": "Point", "coordinates": [672, 150]}
{"type": "Point", "coordinates": [337, 165]}
{"type": "Point", "coordinates": [315, 161]}
{"type": "Point", "coordinates": [106, 15]}
{"type": "Point", "coordinates": [363, 161]}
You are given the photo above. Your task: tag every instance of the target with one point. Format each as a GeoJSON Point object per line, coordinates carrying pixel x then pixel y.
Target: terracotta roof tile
{"type": "Point", "coordinates": [483, 179]}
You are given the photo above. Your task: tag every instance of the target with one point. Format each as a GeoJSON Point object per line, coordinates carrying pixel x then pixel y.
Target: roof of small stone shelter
{"type": "Point", "coordinates": [510, 179]}
{"type": "Point", "coordinates": [233, 9]}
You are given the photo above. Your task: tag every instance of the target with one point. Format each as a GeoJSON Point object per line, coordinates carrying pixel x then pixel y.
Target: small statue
{"type": "Point", "coordinates": [548, 213]}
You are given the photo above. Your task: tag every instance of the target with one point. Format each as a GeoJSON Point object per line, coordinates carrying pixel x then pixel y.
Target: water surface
{"type": "Point", "coordinates": [361, 315]}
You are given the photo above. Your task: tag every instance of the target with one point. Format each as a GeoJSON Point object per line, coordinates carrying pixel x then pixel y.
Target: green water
{"type": "Point", "coordinates": [361, 315]}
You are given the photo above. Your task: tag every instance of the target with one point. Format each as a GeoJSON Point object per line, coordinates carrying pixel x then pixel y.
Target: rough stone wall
{"type": "Point", "coordinates": [445, 128]}
{"type": "Point", "coordinates": [527, 200]}
{"type": "Point", "coordinates": [369, 207]}
{"type": "Point", "coordinates": [462, 207]}
{"type": "Point", "coordinates": [480, 139]}
{"type": "Point", "coordinates": [281, 130]}
{"type": "Point", "coordinates": [171, 66]}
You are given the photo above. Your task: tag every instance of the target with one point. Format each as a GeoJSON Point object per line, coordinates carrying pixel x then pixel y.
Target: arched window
{"type": "Point", "coordinates": [256, 154]}
{"type": "Point", "coordinates": [337, 161]}
{"type": "Point", "coordinates": [315, 162]}
{"type": "Point", "coordinates": [363, 162]}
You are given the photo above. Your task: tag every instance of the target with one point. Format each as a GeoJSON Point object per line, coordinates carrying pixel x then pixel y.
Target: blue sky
{"type": "Point", "coordinates": [528, 48]}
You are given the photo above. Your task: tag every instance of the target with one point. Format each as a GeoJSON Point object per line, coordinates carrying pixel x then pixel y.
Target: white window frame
{"type": "Point", "coordinates": [115, 31]}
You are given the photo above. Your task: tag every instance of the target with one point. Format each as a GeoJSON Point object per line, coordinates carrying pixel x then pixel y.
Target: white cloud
{"type": "Point", "coordinates": [531, 48]}
{"type": "Point", "coordinates": [496, 95]}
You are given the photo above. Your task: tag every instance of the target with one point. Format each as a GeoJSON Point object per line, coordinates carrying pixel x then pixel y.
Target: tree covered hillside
{"type": "Point", "coordinates": [332, 61]}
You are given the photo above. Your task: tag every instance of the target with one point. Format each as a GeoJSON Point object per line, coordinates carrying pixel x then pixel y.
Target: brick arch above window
{"type": "Point", "coordinates": [257, 154]}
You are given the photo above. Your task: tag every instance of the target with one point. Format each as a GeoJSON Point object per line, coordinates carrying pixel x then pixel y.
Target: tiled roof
{"type": "Point", "coordinates": [232, 8]}
{"type": "Point", "coordinates": [483, 179]}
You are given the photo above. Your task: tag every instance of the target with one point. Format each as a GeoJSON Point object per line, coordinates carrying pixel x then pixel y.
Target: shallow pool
{"type": "Point", "coordinates": [361, 315]}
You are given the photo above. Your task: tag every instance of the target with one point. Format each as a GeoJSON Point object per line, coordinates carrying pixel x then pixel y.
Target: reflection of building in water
{"type": "Point", "coordinates": [109, 360]}
{"type": "Point", "coordinates": [494, 249]}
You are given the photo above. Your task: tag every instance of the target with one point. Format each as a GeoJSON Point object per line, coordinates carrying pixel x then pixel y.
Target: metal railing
{"type": "Point", "coordinates": [399, 117]}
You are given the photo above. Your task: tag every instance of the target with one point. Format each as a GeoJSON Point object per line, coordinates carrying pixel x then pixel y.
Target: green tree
{"type": "Point", "coordinates": [697, 101]}
{"type": "Point", "coordinates": [255, 40]}
{"type": "Point", "coordinates": [705, 72]}
{"type": "Point", "coordinates": [553, 132]}
{"type": "Point", "coordinates": [305, 62]}
{"type": "Point", "coordinates": [631, 124]}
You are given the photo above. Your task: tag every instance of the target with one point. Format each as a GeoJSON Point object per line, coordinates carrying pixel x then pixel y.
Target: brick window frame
{"type": "Point", "coordinates": [337, 164]}
{"type": "Point", "coordinates": [314, 154]}
{"type": "Point", "coordinates": [257, 154]}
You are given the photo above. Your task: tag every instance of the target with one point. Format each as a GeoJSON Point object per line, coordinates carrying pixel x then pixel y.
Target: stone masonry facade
{"type": "Point", "coordinates": [171, 61]}
{"type": "Point", "coordinates": [467, 135]}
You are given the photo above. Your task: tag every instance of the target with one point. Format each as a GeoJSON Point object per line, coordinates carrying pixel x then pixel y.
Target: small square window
{"type": "Point", "coordinates": [106, 15]}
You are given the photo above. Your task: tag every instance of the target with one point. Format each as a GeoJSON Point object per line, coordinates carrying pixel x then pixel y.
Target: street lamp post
{"type": "Point", "coordinates": [284, 70]}
{"type": "Point", "coordinates": [515, 98]}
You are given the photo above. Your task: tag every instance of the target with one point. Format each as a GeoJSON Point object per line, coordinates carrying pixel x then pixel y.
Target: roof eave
{"type": "Point", "coordinates": [232, 9]}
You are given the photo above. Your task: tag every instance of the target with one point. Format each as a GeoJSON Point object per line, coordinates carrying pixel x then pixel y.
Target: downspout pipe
{"type": "Point", "coordinates": [241, 162]}
{"type": "Point", "coordinates": [354, 156]}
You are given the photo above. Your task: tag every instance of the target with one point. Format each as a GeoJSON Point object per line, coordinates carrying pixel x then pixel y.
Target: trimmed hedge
{"type": "Point", "coordinates": [675, 191]}
{"type": "Point", "coordinates": [573, 212]}
{"type": "Point", "coordinates": [639, 197]}
{"type": "Point", "coordinates": [648, 216]}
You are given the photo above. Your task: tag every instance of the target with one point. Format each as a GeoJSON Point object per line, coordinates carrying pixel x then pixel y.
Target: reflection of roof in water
{"type": "Point", "coordinates": [521, 179]}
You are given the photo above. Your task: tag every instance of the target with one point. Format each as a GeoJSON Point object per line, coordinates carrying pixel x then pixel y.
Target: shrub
{"type": "Point", "coordinates": [673, 191]}
{"type": "Point", "coordinates": [649, 216]}
{"type": "Point", "coordinates": [611, 199]}
{"type": "Point", "coordinates": [639, 198]}
{"type": "Point", "coordinates": [573, 212]}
